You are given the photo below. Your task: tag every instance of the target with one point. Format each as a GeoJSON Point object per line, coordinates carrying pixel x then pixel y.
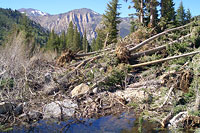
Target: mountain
{"type": "Point", "coordinates": [84, 19]}
{"type": "Point", "coordinates": [32, 12]}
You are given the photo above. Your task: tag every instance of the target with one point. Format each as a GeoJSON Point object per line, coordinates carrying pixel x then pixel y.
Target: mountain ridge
{"type": "Point", "coordinates": [84, 18]}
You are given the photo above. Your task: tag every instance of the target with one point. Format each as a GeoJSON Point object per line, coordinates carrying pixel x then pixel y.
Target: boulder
{"type": "Point", "coordinates": [58, 109]}
{"type": "Point", "coordinates": [5, 107]}
{"type": "Point", "coordinates": [80, 89]}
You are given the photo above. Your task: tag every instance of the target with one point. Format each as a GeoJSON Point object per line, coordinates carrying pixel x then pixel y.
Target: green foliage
{"type": "Point", "coordinates": [72, 40]}
{"type": "Point", "coordinates": [195, 36]}
{"type": "Point", "coordinates": [6, 83]}
{"type": "Point", "coordinates": [70, 34]}
{"type": "Point", "coordinates": [179, 108]}
{"type": "Point", "coordinates": [167, 10]}
{"type": "Point", "coordinates": [111, 20]}
{"type": "Point", "coordinates": [177, 48]}
{"type": "Point", "coordinates": [15, 21]}
{"type": "Point", "coordinates": [85, 44]}
{"type": "Point", "coordinates": [181, 15]}
{"type": "Point", "coordinates": [188, 16]}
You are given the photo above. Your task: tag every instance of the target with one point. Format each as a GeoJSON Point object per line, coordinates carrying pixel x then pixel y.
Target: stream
{"type": "Point", "coordinates": [124, 123]}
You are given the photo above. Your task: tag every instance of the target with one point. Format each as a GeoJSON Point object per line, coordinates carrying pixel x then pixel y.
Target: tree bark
{"type": "Point", "coordinates": [152, 51]}
{"type": "Point", "coordinates": [163, 60]}
{"type": "Point", "coordinates": [156, 36]}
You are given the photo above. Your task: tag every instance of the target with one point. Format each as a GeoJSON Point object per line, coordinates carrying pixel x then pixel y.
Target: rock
{"type": "Point", "coordinates": [5, 107]}
{"type": "Point", "coordinates": [50, 89]}
{"type": "Point", "coordinates": [58, 109]}
{"type": "Point", "coordinates": [19, 109]}
{"type": "Point", "coordinates": [80, 89]}
{"type": "Point", "coordinates": [95, 90]}
{"type": "Point", "coordinates": [34, 115]}
{"type": "Point", "coordinates": [47, 77]}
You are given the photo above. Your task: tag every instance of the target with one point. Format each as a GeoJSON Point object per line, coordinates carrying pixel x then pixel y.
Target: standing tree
{"type": "Point", "coordinates": [69, 36]}
{"type": "Point", "coordinates": [188, 16]}
{"type": "Point", "coordinates": [151, 12]}
{"type": "Point", "coordinates": [167, 10]}
{"type": "Point", "coordinates": [111, 20]}
{"type": "Point", "coordinates": [85, 43]}
{"type": "Point", "coordinates": [76, 40]}
{"type": "Point", "coordinates": [180, 17]}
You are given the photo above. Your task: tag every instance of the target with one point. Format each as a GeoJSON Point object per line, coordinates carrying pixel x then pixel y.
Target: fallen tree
{"type": "Point", "coordinates": [163, 60]}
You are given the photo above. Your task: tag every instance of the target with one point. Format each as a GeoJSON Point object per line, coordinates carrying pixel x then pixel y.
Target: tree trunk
{"type": "Point", "coordinates": [141, 12]}
{"type": "Point", "coordinates": [163, 60]}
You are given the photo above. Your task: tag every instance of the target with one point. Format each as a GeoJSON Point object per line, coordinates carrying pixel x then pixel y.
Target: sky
{"type": "Point", "coordinates": [62, 6]}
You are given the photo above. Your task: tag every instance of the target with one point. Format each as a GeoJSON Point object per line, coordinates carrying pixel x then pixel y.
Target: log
{"type": "Point", "coordinates": [163, 60]}
{"type": "Point", "coordinates": [156, 36]}
{"type": "Point", "coordinates": [137, 46]}
{"type": "Point", "coordinates": [152, 51]}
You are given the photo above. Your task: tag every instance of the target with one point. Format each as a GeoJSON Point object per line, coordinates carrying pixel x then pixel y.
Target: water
{"type": "Point", "coordinates": [124, 123]}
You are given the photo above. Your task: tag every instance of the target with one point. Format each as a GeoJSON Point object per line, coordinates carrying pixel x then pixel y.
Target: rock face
{"type": "Point", "coordinates": [80, 89]}
{"type": "Point", "coordinates": [59, 109]}
{"type": "Point", "coordinates": [83, 18]}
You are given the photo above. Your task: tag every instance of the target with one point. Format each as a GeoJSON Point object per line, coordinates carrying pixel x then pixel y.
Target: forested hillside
{"type": "Point", "coordinates": [13, 20]}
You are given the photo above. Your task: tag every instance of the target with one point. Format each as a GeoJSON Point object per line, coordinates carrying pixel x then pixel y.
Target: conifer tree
{"type": "Point", "coordinates": [167, 10]}
{"type": "Point", "coordinates": [85, 43]}
{"type": "Point", "coordinates": [76, 40]}
{"type": "Point", "coordinates": [111, 20]}
{"type": "Point", "coordinates": [69, 36]}
{"type": "Point", "coordinates": [62, 41]}
{"type": "Point", "coordinates": [188, 16]}
{"type": "Point", "coordinates": [180, 17]}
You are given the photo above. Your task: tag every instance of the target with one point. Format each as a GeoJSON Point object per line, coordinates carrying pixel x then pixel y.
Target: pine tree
{"type": "Point", "coordinates": [69, 36]}
{"type": "Point", "coordinates": [62, 41]}
{"type": "Point", "coordinates": [151, 12]}
{"type": "Point", "coordinates": [139, 7]}
{"type": "Point", "coordinates": [93, 45]}
{"type": "Point", "coordinates": [99, 42]}
{"type": "Point", "coordinates": [76, 40]}
{"type": "Point", "coordinates": [180, 18]}
{"type": "Point", "coordinates": [188, 16]}
{"type": "Point", "coordinates": [167, 10]}
{"type": "Point", "coordinates": [85, 43]}
{"type": "Point", "coordinates": [111, 20]}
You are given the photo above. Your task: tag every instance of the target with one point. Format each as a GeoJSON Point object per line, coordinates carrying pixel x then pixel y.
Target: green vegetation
{"type": "Point", "coordinates": [70, 40]}
{"type": "Point", "coordinates": [13, 20]}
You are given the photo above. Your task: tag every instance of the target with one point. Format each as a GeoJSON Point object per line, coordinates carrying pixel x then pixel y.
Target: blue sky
{"type": "Point", "coordinates": [61, 6]}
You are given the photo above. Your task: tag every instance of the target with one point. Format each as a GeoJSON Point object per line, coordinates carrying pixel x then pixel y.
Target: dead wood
{"type": "Point", "coordinates": [163, 60]}
{"type": "Point", "coordinates": [123, 53]}
{"type": "Point", "coordinates": [165, 121]}
{"type": "Point", "coordinates": [156, 36]}
{"type": "Point", "coordinates": [197, 101]}
{"type": "Point", "coordinates": [167, 97]}
{"type": "Point", "coordinates": [154, 50]}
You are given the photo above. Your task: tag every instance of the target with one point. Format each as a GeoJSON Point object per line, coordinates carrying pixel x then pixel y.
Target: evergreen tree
{"type": "Point", "coordinates": [167, 10]}
{"type": "Point", "coordinates": [180, 17]}
{"type": "Point", "coordinates": [62, 41]}
{"type": "Point", "coordinates": [151, 12]}
{"type": "Point", "coordinates": [111, 20]}
{"type": "Point", "coordinates": [69, 36]}
{"type": "Point", "coordinates": [93, 44]}
{"type": "Point", "coordinates": [139, 7]}
{"type": "Point", "coordinates": [76, 40]}
{"type": "Point", "coordinates": [188, 16]}
{"type": "Point", "coordinates": [85, 43]}
{"type": "Point", "coordinates": [99, 40]}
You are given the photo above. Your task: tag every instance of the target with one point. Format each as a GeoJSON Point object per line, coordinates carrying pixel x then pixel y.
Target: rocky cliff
{"type": "Point", "coordinates": [84, 19]}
